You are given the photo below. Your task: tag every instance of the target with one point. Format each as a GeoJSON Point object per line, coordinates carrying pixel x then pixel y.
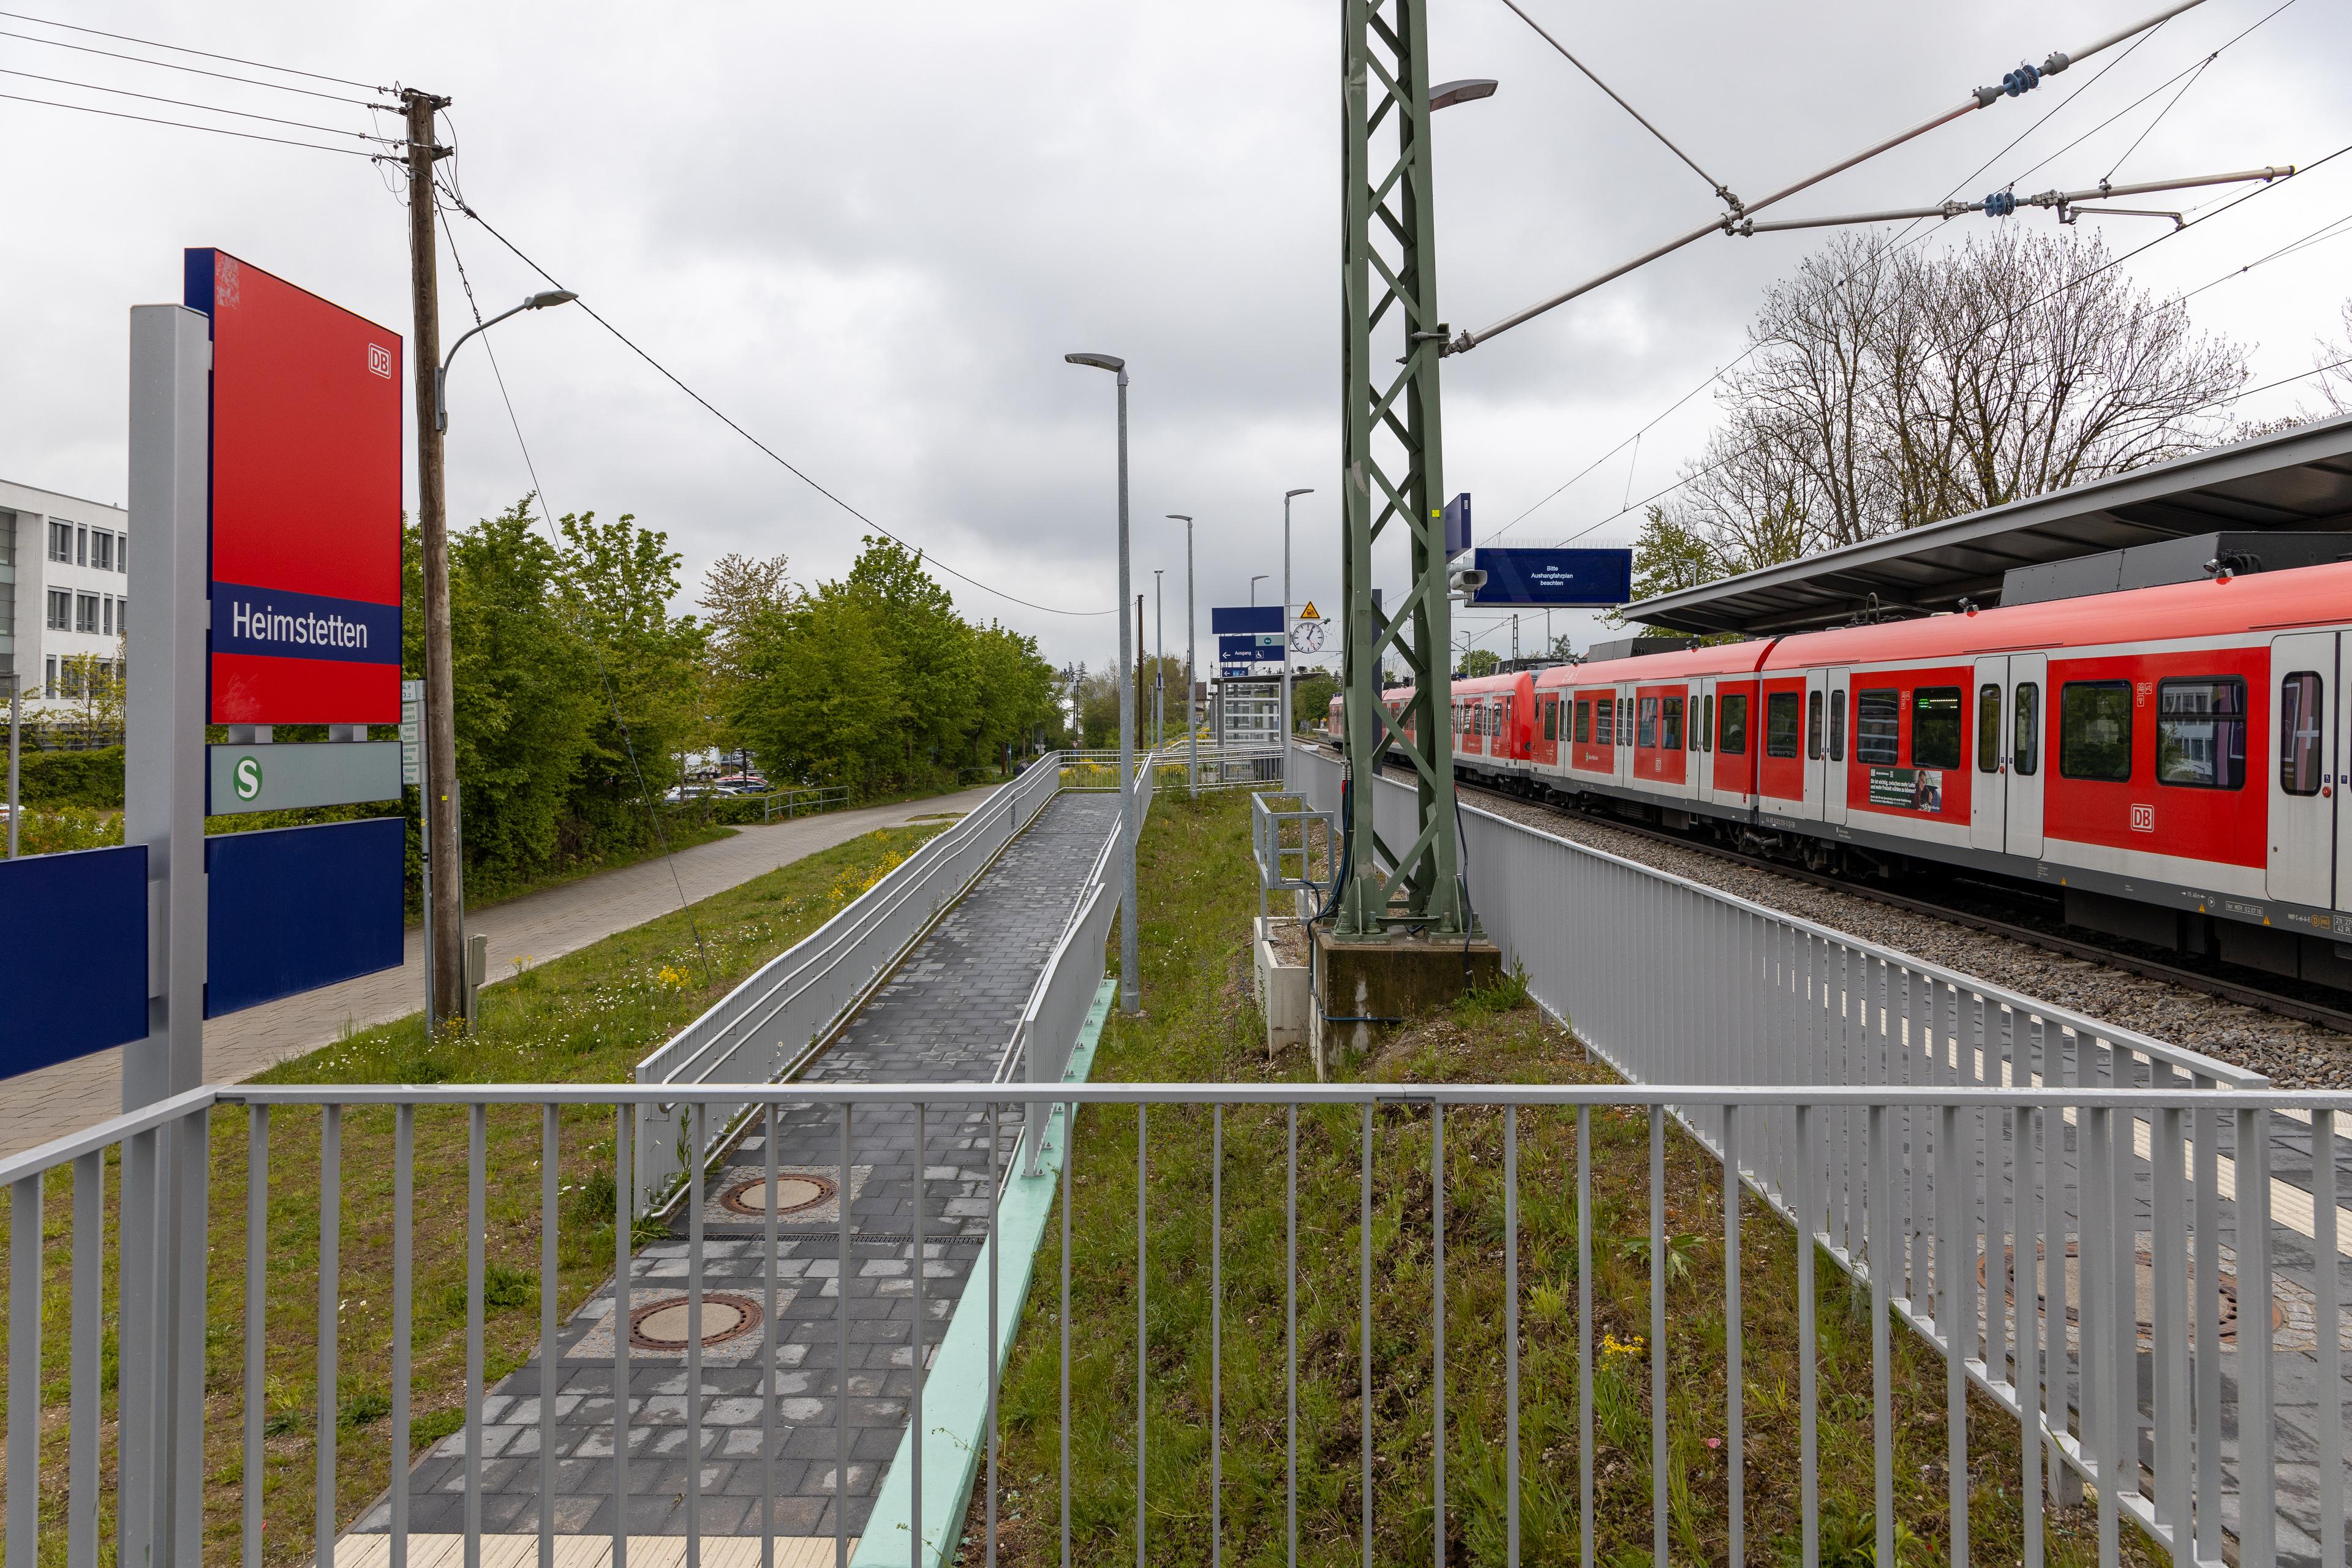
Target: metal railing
{"type": "Point", "coordinates": [1673, 982]}
{"type": "Point", "coordinates": [804, 802]}
{"type": "Point", "coordinates": [1275, 844]}
{"type": "Point", "coordinates": [2046, 1176]}
{"type": "Point", "coordinates": [766, 1026]}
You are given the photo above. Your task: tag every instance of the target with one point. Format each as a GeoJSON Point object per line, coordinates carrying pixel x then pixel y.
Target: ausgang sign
{"type": "Point", "coordinates": [306, 450]}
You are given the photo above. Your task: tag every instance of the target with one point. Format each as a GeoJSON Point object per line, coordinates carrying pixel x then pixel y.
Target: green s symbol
{"type": "Point", "coordinates": [247, 778]}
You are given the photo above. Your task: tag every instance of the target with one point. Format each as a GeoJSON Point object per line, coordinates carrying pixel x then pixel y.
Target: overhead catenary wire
{"type": "Point", "coordinates": [194, 70]}
{"type": "Point", "coordinates": [770, 452]}
{"type": "Point", "coordinates": [612, 698]}
{"type": "Point", "coordinates": [2016, 83]}
{"type": "Point", "coordinates": [2003, 203]}
{"type": "Point", "coordinates": [1908, 238]}
{"type": "Point", "coordinates": [182, 49]}
{"type": "Point", "coordinates": [1722, 191]}
{"type": "Point", "coordinates": [187, 125]}
{"type": "Point", "coordinates": [2079, 279]}
{"type": "Point", "coordinates": [206, 108]}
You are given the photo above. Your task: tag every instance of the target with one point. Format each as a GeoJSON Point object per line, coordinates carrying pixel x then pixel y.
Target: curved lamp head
{"type": "Point", "coordinates": [1308, 491]}
{"type": "Point", "coordinates": [1446, 94]}
{"type": "Point", "coordinates": [1179, 517]}
{"type": "Point", "coordinates": [552, 297]}
{"type": "Point", "coordinates": [1099, 362]}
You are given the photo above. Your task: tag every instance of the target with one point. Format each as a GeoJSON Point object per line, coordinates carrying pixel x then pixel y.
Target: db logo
{"type": "Point", "coordinates": [380, 361]}
{"type": "Point", "coordinates": [2143, 819]}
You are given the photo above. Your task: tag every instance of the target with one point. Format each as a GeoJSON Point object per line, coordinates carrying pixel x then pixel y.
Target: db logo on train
{"type": "Point", "coordinates": [2143, 819]}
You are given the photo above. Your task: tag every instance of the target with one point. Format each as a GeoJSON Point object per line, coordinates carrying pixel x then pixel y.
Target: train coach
{"type": "Point", "coordinates": [2168, 756]}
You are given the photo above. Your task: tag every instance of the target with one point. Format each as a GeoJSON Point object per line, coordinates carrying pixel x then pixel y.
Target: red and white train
{"type": "Point", "coordinates": [2171, 756]}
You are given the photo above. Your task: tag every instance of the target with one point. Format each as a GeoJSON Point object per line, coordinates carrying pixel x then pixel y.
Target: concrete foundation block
{"type": "Point", "coordinates": [1363, 986]}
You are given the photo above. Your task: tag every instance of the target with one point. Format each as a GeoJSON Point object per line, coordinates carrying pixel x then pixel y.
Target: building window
{"type": "Point", "coordinates": [60, 610]}
{"type": "Point", "coordinates": [71, 686]}
{"type": "Point", "coordinates": [86, 611]}
{"type": "Point", "coordinates": [2301, 727]}
{"type": "Point", "coordinates": [1837, 727]}
{"type": "Point", "coordinates": [101, 549]}
{"type": "Point", "coordinates": [122, 553]}
{"type": "Point", "coordinates": [50, 685]}
{"type": "Point", "coordinates": [2094, 725]}
{"type": "Point", "coordinates": [109, 615]}
{"type": "Point", "coordinates": [81, 546]}
{"type": "Point", "coordinates": [1878, 727]}
{"type": "Point", "coordinates": [60, 542]}
{"type": "Point", "coordinates": [122, 617]}
{"type": "Point", "coordinates": [1733, 740]}
{"type": "Point", "coordinates": [1936, 727]}
{"type": "Point", "coordinates": [1780, 725]}
{"type": "Point", "coordinates": [2025, 740]}
{"type": "Point", "coordinates": [7, 538]}
{"type": "Point", "coordinates": [1672, 739]}
{"type": "Point", "coordinates": [2201, 733]}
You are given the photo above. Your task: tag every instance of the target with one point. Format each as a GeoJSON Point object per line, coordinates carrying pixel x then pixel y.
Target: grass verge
{"type": "Point", "coordinates": [586, 1018]}
{"type": "Point", "coordinates": [1200, 1024]}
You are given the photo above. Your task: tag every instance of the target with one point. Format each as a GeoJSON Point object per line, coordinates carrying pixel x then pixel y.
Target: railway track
{"type": "Point", "coordinates": [2244, 991]}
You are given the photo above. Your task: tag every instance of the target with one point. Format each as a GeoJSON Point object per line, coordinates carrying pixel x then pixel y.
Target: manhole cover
{"type": "Point", "coordinates": [794, 1194]}
{"type": "Point", "coordinates": [663, 1325]}
{"type": "Point", "coordinates": [2144, 1284]}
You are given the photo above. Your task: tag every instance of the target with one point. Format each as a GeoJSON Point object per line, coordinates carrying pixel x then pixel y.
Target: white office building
{"type": "Point", "coordinates": [65, 586]}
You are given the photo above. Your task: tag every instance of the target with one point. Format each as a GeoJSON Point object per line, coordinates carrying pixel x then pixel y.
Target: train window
{"type": "Point", "coordinates": [1987, 728]}
{"type": "Point", "coordinates": [1813, 726]}
{"type": "Point", "coordinates": [1837, 726]}
{"type": "Point", "coordinates": [1673, 737]}
{"type": "Point", "coordinates": [2025, 738]}
{"type": "Point", "coordinates": [1583, 722]}
{"type": "Point", "coordinates": [1605, 713]}
{"type": "Point", "coordinates": [1780, 725]}
{"type": "Point", "coordinates": [1878, 727]}
{"type": "Point", "coordinates": [1551, 718]}
{"type": "Point", "coordinates": [2200, 732]}
{"type": "Point", "coordinates": [2094, 725]}
{"type": "Point", "coordinates": [1647, 732]}
{"type": "Point", "coordinates": [1707, 726]}
{"type": "Point", "coordinates": [1936, 727]}
{"type": "Point", "coordinates": [1733, 737]}
{"type": "Point", "coordinates": [2301, 727]}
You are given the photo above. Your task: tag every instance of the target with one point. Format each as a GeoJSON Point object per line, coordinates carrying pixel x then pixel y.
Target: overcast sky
{"type": "Point", "coordinates": [870, 232]}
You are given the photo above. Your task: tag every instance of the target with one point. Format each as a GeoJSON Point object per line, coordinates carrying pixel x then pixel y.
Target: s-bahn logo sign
{"type": "Point", "coordinates": [306, 443]}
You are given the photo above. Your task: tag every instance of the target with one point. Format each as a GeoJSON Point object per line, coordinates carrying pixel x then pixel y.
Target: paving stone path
{"type": "Point", "coordinates": [945, 1015]}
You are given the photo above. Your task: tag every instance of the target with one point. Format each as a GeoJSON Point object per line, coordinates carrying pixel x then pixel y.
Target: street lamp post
{"type": "Point", "coordinates": [1191, 672]}
{"type": "Point", "coordinates": [1254, 582]}
{"type": "Point", "coordinates": [1288, 718]}
{"type": "Point", "coordinates": [444, 919]}
{"type": "Point", "coordinates": [1129, 986]}
{"type": "Point", "coordinates": [1158, 661]}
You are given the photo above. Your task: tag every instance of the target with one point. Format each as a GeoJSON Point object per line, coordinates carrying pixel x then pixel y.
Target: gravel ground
{"type": "Point", "coordinates": [2294, 1054]}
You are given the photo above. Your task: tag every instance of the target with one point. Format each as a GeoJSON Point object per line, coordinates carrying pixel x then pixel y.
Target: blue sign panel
{"type": "Point", "coordinates": [1457, 525]}
{"type": "Point", "coordinates": [1560, 578]}
{"type": "Point", "coordinates": [296, 908]}
{"type": "Point", "coordinates": [1238, 618]}
{"type": "Point", "coordinates": [1266, 646]}
{"type": "Point", "coordinates": [73, 955]}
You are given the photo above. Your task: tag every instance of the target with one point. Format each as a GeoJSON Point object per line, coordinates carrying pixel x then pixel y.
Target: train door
{"type": "Point", "coordinates": [2303, 838]}
{"type": "Point", "coordinates": [1834, 747]}
{"type": "Point", "coordinates": [1816, 742]}
{"type": "Point", "coordinates": [2024, 724]}
{"type": "Point", "coordinates": [1988, 731]}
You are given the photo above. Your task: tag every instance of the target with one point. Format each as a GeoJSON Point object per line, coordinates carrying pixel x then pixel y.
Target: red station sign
{"type": "Point", "coordinates": [305, 490]}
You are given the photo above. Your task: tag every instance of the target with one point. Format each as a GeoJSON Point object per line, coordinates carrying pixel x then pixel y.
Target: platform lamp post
{"type": "Point", "coordinates": [1191, 671]}
{"type": "Point", "coordinates": [1289, 719]}
{"type": "Point", "coordinates": [1158, 661]}
{"type": "Point", "coordinates": [1130, 998]}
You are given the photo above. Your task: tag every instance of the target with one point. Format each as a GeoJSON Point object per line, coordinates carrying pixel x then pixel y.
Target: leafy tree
{"type": "Point", "coordinates": [1480, 661]}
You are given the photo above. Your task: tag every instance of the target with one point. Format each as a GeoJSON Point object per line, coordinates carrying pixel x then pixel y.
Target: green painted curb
{"type": "Point", "coordinates": [955, 1394]}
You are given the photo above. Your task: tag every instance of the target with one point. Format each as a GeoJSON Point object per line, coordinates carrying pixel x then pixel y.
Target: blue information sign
{"type": "Point", "coordinates": [1588, 579]}
{"type": "Point", "coordinates": [292, 908]}
{"type": "Point", "coordinates": [1261, 646]}
{"type": "Point", "coordinates": [1457, 525]}
{"type": "Point", "coordinates": [1238, 618]}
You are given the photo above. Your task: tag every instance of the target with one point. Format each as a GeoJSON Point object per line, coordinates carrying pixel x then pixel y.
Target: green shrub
{"type": "Point", "coordinates": [71, 778]}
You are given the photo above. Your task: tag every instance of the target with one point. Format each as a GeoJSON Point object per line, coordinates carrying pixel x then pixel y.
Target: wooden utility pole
{"type": "Point", "coordinates": [446, 922]}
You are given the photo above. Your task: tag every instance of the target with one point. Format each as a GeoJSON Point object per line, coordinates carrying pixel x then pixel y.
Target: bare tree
{"type": "Point", "coordinates": [1888, 389]}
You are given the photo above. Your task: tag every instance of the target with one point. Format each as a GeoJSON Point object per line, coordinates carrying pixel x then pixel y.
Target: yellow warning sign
{"type": "Point", "coordinates": [1310, 612]}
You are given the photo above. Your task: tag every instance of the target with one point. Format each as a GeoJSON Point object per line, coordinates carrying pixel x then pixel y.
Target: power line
{"type": "Point", "coordinates": [208, 108]}
{"type": "Point", "coordinates": [612, 698]}
{"type": "Point", "coordinates": [1721, 190]}
{"type": "Point", "coordinates": [771, 452]}
{"type": "Point", "coordinates": [184, 125]}
{"type": "Point", "coordinates": [181, 49]}
{"type": "Point", "coordinates": [173, 66]}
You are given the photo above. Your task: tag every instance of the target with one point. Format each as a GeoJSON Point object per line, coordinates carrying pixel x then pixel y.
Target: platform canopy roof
{"type": "Point", "coordinates": [2299, 479]}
